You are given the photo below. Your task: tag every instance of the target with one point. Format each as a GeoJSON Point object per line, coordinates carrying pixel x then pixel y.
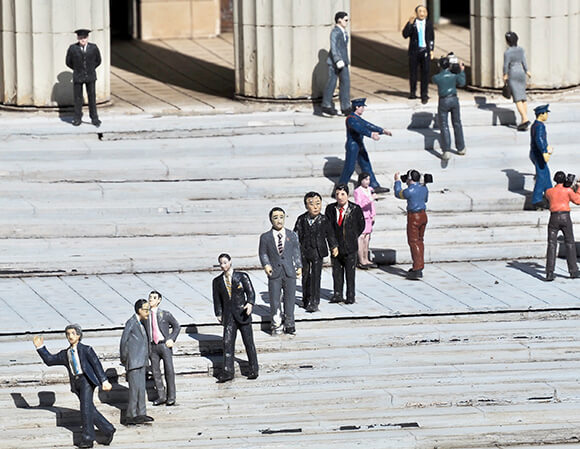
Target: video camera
{"type": "Point", "coordinates": [450, 61]}
{"type": "Point", "coordinates": [414, 175]}
{"type": "Point", "coordinates": [571, 181]}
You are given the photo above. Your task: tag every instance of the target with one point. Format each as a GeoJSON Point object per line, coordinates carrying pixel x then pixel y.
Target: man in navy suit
{"type": "Point", "coordinates": [279, 253]}
{"type": "Point", "coordinates": [83, 58]}
{"type": "Point", "coordinates": [233, 300]}
{"type": "Point", "coordinates": [85, 373]}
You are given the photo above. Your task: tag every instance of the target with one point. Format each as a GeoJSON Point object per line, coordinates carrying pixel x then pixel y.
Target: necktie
{"type": "Point", "coordinates": [74, 361]}
{"type": "Point", "coordinates": [156, 333]}
{"type": "Point", "coordinates": [229, 284]}
{"type": "Point", "coordinates": [340, 216]}
{"type": "Point", "coordinates": [420, 34]}
{"type": "Point", "coordinates": [280, 246]}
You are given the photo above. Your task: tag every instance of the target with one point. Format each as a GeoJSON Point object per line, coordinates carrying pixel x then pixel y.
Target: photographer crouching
{"type": "Point", "coordinates": [451, 76]}
{"type": "Point", "coordinates": [559, 197]}
{"type": "Point", "coordinates": [416, 195]}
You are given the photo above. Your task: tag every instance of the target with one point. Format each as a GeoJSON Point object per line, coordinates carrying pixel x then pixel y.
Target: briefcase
{"type": "Point", "coordinates": [382, 256]}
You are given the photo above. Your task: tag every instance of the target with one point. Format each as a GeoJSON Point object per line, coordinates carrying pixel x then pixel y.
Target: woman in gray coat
{"type": "Point", "coordinates": [515, 70]}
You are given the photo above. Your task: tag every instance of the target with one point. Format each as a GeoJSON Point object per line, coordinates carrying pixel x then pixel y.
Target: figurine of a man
{"type": "Point", "coordinates": [233, 300]}
{"type": "Point", "coordinates": [315, 236]}
{"type": "Point", "coordinates": [347, 222]}
{"type": "Point", "coordinates": [355, 151]}
{"type": "Point", "coordinates": [163, 330]}
{"type": "Point", "coordinates": [419, 31]}
{"type": "Point", "coordinates": [83, 58]}
{"type": "Point", "coordinates": [540, 153]}
{"type": "Point", "coordinates": [134, 352]}
{"type": "Point", "coordinates": [279, 253]}
{"type": "Point", "coordinates": [85, 373]}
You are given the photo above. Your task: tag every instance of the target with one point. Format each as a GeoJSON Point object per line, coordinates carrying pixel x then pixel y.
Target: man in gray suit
{"type": "Point", "coordinates": [338, 63]}
{"type": "Point", "coordinates": [163, 330]}
{"type": "Point", "coordinates": [134, 351]}
{"type": "Point", "coordinates": [279, 253]}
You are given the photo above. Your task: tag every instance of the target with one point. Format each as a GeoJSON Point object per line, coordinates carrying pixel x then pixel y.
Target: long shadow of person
{"type": "Point", "coordinates": [394, 270]}
{"type": "Point", "coordinates": [319, 80]}
{"type": "Point", "coordinates": [421, 123]}
{"type": "Point", "coordinates": [68, 418]}
{"type": "Point", "coordinates": [534, 269]}
{"type": "Point", "coordinates": [210, 347]}
{"type": "Point", "coordinates": [118, 396]}
{"type": "Point", "coordinates": [503, 116]}
{"type": "Point", "coordinates": [517, 183]}
{"type": "Point", "coordinates": [332, 170]}
{"type": "Point", "coordinates": [62, 95]}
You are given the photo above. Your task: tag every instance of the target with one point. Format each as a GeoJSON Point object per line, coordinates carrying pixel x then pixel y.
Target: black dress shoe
{"type": "Point", "coordinates": [362, 267]}
{"type": "Point", "coordinates": [253, 375]}
{"type": "Point", "coordinates": [349, 301]}
{"type": "Point", "coordinates": [575, 275]}
{"type": "Point", "coordinates": [76, 122]}
{"type": "Point", "coordinates": [414, 275]}
{"type": "Point", "coordinates": [145, 418]}
{"type": "Point", "coordinates": [290, 330]}
{"type": "Point", "coordinates": [336, 299]}
{"type": "Point", "coordinates": [550, 276]}
{"type": "Point", "coordinates": [223, 378]}
{"type": "Point", "coordinates": [412, 96]}
{"type": "Point", "coordinates": [424, 100]}
{"type": "Point", "coordinates": [346, 112]}
{"type": "Point", "coordinates": [96, 122]}
{"type": "Point", "coordinates": [170, 403]}
{"type": "Point", "coordinates": [312, 309]}
{"type": "Point", "coordinates": [85, 444]}
{"type": "Point", "coordinates": [381, 189]}
{"type": "Point", "coordinates": [109, 438]}
{"type": "Point", "coordinates": [132, 421]}
{"type": "Point", "coordinates": [329, 111]}
{"type": "Point", "coordinates": [158, 401]}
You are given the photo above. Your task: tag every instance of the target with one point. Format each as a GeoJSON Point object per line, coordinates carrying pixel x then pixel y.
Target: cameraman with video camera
{"type": "Point", "coordinates": [451, 76]}
{"type": "Point", "coordinates": [559, 197]}
{"type": "Point", "coordinates": [416, 195]}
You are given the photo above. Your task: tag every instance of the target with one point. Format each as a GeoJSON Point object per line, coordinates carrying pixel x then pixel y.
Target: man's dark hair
{"type": "Point", "coordinates": [414, 175]}
{"type": "Point", "coordinates": [155, 292]}
{"type": "Point", "coordinates": [341, 187]}
{"type": "Point", "coordinates": [362, 175]}
{"type": "Point", "coordinates": [275, 209]}
{"type": "Point", "coordinates": [560, 177]}
{"type": "Point", "coordinates": [339, 15]}
{"type": "Point", "coordinates": [419, 6]}
{"type": "Point", "coordinates": [311, 195]}
{"type": "Point", "coordinates": [226, 255]}
{"type": "Point", "coordinates": [511, 38]}
{"type": "Point", "coordinates": [139, 304]}
{"type": "Point", "coordinates": [76, 328]}
{"type": "Point", "coordinates": [444, 62]}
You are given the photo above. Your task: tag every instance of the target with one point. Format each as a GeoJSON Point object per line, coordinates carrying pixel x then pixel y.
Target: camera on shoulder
{"type": "Point", "coordinates": [570, 180]}
{"type": "Point", "coordinates": [415, 176]}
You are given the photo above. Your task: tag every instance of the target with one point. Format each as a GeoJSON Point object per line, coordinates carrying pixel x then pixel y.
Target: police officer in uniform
{"type": "Point", "coordinates": [83, 58]}
{"type": "Point", "coordinates": [540, 153]}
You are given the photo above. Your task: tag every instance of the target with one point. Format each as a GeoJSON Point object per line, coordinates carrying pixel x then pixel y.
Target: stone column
{"type": "Point", "coordinates": [34, 38]}
{"type": "Point", "coordinates": [281, 46]}
{"type": "Point", "coordinates": [549, 32]}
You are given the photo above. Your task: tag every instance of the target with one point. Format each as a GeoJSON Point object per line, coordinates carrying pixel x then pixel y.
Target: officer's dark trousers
{"type": "Point", "coordinates": [78, 95]}
{"type": "Point", "coordinates": [560, 221]}
{"type": "Point", "coordinates": [162, 352]}
{"type": "Point", "coordinates": [90, 416]}
{"type": "Point", "coordinates": [311, 272]}
{"type": "Point", "coordinates": [230, 331]}
{"type": "Point", "coordinates": [416, 223]}
{"type": "Point", "coordinates": [420, 59]}
{"type": "Point", "coordinates": [446, 105]}
{"type": "Point", "coordinates": [344, 266]}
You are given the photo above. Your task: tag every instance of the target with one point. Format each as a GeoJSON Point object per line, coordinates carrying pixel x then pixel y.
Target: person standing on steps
{"type": "Point", "coordinates": [540, 153]}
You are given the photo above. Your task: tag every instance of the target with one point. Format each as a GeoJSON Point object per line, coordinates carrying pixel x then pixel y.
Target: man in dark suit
{"type": "Point", "coordinates": [233, 300]}
{"type": "Point", "coordinates": [338, 63]}
{"type": "Point", "coordinates": [279, 253]}
{"type": "Point", "coordinates": [419, 30]}
{"type": "Point", "coordinates": [83, 58]}
{"type": "Point", "coordinates": [163, 329]}
{"type": "Point", "coordinates": [347, 221]}
{"type": "Point", "coordinates": [85, 373]}
{"type": "Point", "coordinates": [134, 352]}
{"type": "Point", "coordinates": [315, 236]}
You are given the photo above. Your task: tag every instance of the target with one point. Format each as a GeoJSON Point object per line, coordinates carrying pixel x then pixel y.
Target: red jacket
{"type": "Point", "coordinates": [560, 197]}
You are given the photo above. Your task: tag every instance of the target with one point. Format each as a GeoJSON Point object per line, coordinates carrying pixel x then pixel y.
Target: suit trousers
{"type": "Point", "coordinates": [230, 333]}
{"type": "Point", "coordinates": [447, 105]}
{"type": "Point", "coordinates": [543, 180]}
{"type": "Point", "coordinates": [356, 153]}
{"type": "Point", "coordinates": [560, 221]}
{"type": "Point", "coordinates": [420, 59]}
{"type": "Point", "coordinates": [416, 223]}
{"type": "Point", "coordinates": [162, 352]}
{"type": "Point", "coordinates": [344, 266]}
{"type": "Point", "coordinates": [311, 272]}
{"type": "Point", "coordinates": [78, 98]}
{"type": "Point", "coordinates": [137, 394]}
{"type": "Point", "coordinates": [343, 77]}
{"type": "Point", "coordinates": [275, 287]}
{"type": "Point", "coordinates": [90, 416]}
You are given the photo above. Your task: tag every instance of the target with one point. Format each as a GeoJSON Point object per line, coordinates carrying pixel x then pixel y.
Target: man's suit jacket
{"type": "Point", "coordinates": [242, 293]}
{"type": "Point", "coordinates": [281, 264]}
{"type": "Point", "coordinates": [338, 47]}
{"type": "Point", "coordinates": [410, 31]}
{"type": "Point", "coordinates": [134, 346]}
{"type": "Point", "coordinates": [314, 238]}
{"type": "Point", "coordinates": [353, 225]}
{"type": "Point", "coordinates": [83, 63]}
{"type": "Point", "coordinates": [167, 323]}
{"type": "Point", "coordinates": [90, 364]}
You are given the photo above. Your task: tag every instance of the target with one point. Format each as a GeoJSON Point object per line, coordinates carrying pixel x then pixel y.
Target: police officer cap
{"type": "Point", "coordinates": [359, 102]}
{"type": "Point", "coordinates": [541, 109]}
{"type": "Point", "coordinates": [82, 32]}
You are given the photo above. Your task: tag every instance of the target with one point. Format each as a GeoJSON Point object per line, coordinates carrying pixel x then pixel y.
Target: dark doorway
{"type": "Point", "coordinates": [122, 14]}
{"type": "Point", "coordinates": [456, 12]}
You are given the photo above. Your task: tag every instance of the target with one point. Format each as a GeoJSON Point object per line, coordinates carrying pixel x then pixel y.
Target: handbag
{"type": "Point", "coordinates": [506, 91]}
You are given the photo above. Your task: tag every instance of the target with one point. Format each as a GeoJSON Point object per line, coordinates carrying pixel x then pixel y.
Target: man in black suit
{"type": "Point", "coordinates": [83, 58]}
{"type": "Point", "coordinates": [419, 30]}
{"type": "Point", "coordinates": [347, 221]}
{"type": "Point", "coordinates": [85, 373]}
{"type": "Point", "coordinates": [233, 300]}
{"type": "Point", "coordinates": [315, 236]}
{"type": "Point", "coordinates": [163, 330]}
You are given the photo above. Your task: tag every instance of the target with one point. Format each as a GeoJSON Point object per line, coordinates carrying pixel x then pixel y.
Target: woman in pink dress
{"type": "Point", "coordinates": [364, 196]}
